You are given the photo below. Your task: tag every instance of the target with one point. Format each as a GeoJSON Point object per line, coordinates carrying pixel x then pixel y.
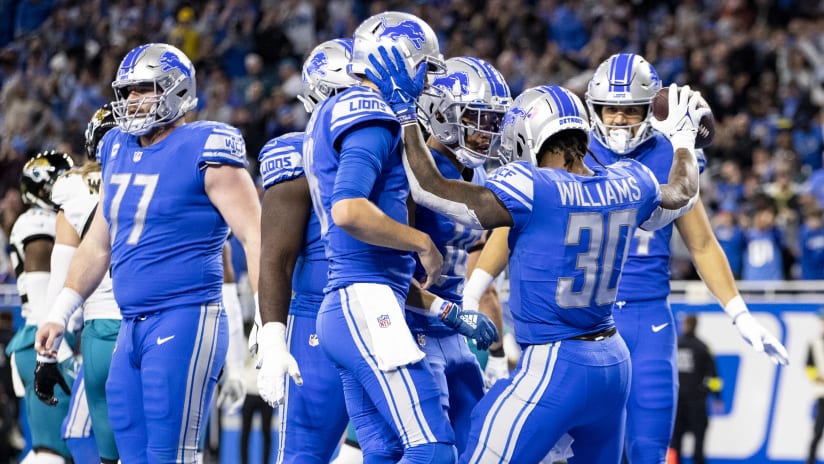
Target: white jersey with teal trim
{"type": "Point", "coordinates": [33, 224]}
{"type": "Point", "coordinates": [78, 205]}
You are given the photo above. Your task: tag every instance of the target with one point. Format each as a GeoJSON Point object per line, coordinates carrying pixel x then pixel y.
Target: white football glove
{"type": "Point", "coordinates": [232, 394]}
{"type": "Point", "coordinates": [496, 368]}
{"type": "Point", "coordinates": [274, 362]}
{"type": "Point", "coordinates": [760, 338]}
{"type": "Point", "coordinates": [681, 125]}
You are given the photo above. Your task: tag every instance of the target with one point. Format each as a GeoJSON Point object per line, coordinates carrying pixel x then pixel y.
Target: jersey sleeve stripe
{"type": "Point", "coordinates": [515, 194]}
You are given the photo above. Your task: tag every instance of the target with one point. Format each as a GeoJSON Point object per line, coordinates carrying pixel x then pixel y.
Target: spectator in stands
{"type": "Point", "coordinates": [763, 258]}
{"type": "Point", "coordinates": [811, 245]}
{"type": "Point", "coordinates": [730, 237]}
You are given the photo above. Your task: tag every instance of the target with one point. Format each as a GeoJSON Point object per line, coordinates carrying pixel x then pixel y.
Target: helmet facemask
{"type": "Point", "coordinates": [622, 80]}
{"type": "Point", "coordinates": [464, 108]}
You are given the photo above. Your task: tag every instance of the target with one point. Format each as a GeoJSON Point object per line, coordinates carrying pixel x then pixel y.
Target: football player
{"type": "Point", "coordinates": [32, 241]}
{"type": "Point", "coordinates": [76, 194]}
{"type": "Point", "coordinates": [562, 308]}
{"type": "Point", "coordinates": [352, 160]}
{"type": "Point", "coordinates": [462, 111]}
{"type": "Point", "coordinates": [293, 275]}
{"type": "Point", "coordinates": [619, 98]}
{"type": "Point", "coordinates": [170, 192]}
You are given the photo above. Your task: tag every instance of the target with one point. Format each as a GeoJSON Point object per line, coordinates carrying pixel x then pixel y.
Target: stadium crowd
{"type": "Point", "coordinates": [760, 65]}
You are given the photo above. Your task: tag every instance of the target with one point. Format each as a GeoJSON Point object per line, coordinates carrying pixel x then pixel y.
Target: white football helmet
{"type": "Point", "coordinates": [624, 79]}
{"type": "Point", "coordinates": [172, 76]}
{"type": "Point", "coordinates": [414, 38]}
{"type": "Point", "coordinates": [324, 72]}
{"type": "Point", "coordinates": [472, 96]}
{"type": "Point", "coordinates": [536, 115]}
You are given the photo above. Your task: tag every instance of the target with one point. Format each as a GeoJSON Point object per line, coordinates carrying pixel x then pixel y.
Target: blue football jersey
{"type": "Point", "coordinates": [281, 159]}
{"type": "Point", "coordinates": [812, 252]}
{"type": "Point", "coordinates": [166, 235]}
{"type": "Point", "coordinates": [568, 243]}
{"type": "Point", "coordinates": [731, 240]}
{"type": "Point", "coordinates": [646, 273]}
{"type": "Point", "coordinates": [351, 260]}
{"type": "Point", "coordinates": [763, 259]}
{"type": "Point", "coordinates": [452, 240]}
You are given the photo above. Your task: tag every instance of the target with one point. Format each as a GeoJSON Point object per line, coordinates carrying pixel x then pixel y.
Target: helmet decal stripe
{"type": "Point", "coordinates": [499, 88]}
{"type": "Point", "coordinates": [566, 107]}
{"type": "Point", "coordinates": [130, 60]}
{"type": "Point", "coordinates": [620, 72]}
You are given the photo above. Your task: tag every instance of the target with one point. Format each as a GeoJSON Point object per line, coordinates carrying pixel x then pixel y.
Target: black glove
{"type": "Point", "coordinates": [46, 376]}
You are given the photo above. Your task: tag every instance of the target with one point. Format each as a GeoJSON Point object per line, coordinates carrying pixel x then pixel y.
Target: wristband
{"type": "Point", "coordinates": [735, 307]}
{"type": "Point", "coordinates": [477, 284]}
{"type": "Point", "coordinates": [438, 308]}
{"type": "Point", "coordinates": [64, 305]}
{"type": "Point", "coordinates": [497, 352]}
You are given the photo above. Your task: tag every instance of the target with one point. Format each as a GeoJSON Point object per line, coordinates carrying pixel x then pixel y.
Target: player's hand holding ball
{"type": "Point", "coordinates": [683, 116]}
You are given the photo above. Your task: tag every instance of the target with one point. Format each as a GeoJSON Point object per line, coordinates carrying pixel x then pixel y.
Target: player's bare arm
{"type": "Point", "coordinates": [286, 209]}
{"type": "Point", "coordinates": [480, 201]}
{"type": "Point", "coordinates": [233, 193]}
{"type": "Point", "coordinates": [91, 261]}
{"type": "Point", "coordinates": [708, 256]}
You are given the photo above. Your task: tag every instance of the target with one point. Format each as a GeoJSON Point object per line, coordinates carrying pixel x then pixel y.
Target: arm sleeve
{"type": "Point", "coordinates": [363, 151]}
{"type": "Point", "coordinates": [61, 257]}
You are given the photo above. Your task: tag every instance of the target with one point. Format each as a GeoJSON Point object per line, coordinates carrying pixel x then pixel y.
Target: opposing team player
{"type": "Point", "coordinates": [564, 283]}
{"type": "Point", "coordinates": [352, 159]}
{"type": "Point", "coordinates": [293, 267]}
{"type": "Point", "coordinates": [32, 240]}
{"type": "Point", "coordinates": [169, 191]}
{"type": "Point", "coordinates": [619, 98]}
{"type": "Point", "coordinates": [76, 194]}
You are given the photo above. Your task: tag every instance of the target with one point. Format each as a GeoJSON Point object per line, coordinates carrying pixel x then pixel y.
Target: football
{"type": "Point", "coordinates": [706, 127]}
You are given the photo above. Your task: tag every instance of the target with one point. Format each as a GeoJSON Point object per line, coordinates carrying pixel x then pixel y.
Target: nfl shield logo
{"type": "Point", "coordinates": [383, 321]}
{"type": "Point", "coordinates": [421, 339]}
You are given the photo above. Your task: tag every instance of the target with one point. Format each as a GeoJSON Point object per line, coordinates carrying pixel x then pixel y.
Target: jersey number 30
{"type": "Point", "coordinates": [607, 235]}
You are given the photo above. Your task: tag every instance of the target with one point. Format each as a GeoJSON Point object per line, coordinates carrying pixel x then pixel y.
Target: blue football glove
{"type": "Point", "coordinates": [399, 89]}
{"type": "Point", "coordinates": [469, 323]}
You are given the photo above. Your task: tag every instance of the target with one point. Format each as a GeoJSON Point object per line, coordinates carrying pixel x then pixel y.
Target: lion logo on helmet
{"type": "Point", "coordinates": [409, 29]}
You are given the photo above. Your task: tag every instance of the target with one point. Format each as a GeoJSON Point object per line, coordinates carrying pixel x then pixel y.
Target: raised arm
{"type": "Point", "coordinates": [472, 205]}
{"type": "Point", "coordinates": [714, 269]}
{"type": "Point", "coordinates": [680, 127]}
